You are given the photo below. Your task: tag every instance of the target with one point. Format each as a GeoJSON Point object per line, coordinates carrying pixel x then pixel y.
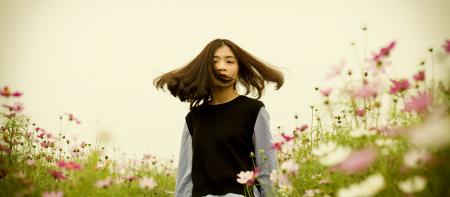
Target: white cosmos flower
{"type": "Point", "coordinates": [415, 184]}
{"type": "Point", "coordinates": [369, 187]}
{"type": "Point", "coordinates": [413, 158]}
{"type": "Point", "coordinates": [360, 132]}
{"type": "Point", "coordinates": [290, 166]}
{"type": "Point", "coordinates": [385, 142]}
{"type": "Point", "coordinates": [324, 148]}
{"type": "Point", "coordinates": [147, 183]}
{"type": "Point", "coordinates": [337, 156]}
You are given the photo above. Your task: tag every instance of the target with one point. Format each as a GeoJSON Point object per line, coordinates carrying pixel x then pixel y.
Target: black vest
{"type": "Point", "coordinates": [221, 144]}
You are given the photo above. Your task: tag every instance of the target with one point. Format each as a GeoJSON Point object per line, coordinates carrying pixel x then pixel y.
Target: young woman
{"type": "Point", "coordinates": [223, 128]}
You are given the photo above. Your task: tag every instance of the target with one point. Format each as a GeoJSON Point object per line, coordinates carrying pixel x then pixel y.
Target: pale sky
{"type": "Point", "coordinates": [98, 59]}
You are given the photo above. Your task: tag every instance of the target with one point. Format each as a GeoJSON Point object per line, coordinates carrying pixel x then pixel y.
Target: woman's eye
{"type": "Point", "coordinates": [230, 62]}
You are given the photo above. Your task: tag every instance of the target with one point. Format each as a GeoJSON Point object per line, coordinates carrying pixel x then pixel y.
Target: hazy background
{"type": "Point", "coordinates": [97, 59]}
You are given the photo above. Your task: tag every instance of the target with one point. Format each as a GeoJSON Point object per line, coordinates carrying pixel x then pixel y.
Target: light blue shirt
{"type": "Point", "coordinates": [262, 139]}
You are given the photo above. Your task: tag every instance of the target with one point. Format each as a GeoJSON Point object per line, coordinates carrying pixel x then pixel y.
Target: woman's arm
{"type": "Point", "coordinates": [183, 186]}
{"type": "Point", "coordinates": [262, 139]}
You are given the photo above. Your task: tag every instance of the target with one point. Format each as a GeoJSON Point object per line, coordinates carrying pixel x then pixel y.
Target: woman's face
{"type": "Point", "coordinates": [225, 66]}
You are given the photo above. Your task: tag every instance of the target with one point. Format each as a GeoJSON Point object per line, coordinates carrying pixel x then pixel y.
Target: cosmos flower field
{"type": "Point", "coordinates": [374, 134]}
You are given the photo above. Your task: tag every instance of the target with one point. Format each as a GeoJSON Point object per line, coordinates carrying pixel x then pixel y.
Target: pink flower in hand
{"type": "Point", "coordinates": [418, 103]}
{"type": "Point", "coordinates": [248, 177]}
{"type": "Point", "coordinates": [399, 86]}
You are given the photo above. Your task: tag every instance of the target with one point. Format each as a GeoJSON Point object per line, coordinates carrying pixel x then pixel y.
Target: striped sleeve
{"type": "Point", "coordinates": [262, 139]}
{"type": "Point", "coordinates": [183, 185]}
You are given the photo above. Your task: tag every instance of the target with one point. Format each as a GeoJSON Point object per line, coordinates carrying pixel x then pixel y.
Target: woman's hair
{"type": "Point", "coordinates": [192, 82]}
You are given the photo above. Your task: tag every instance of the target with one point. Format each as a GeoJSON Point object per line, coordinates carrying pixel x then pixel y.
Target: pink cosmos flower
{"type": "Point", "coordinates": [57, 174]}
{"type": "Point", "coordinates": [147, 183]}
{"type": "Point", "coordinates": [360, 112]}
{"type": "Point", "coordinates": [366, 91]}
{"type": "Point", "coordinates": [399, 86]}
{"type": "Point", "coordinates": [378, 62]}
{"type": "Point", "coordinates": [326, 92]}
{"type": "Point", "coordinates": [302, 128]}
{"type": "Point", "coordinates": [53, 194]}
{"type": "Point", "coordinates": [72, 118]}
{"type": "Point", "coordinates": [5, 92]}
{"type": "Point", "coordinates": [248, 177]}
{"type": "Point", "coordinates": [385, 51]}
{"type": "Point", "coordinates": [357, 161]}
{"type": "Point", "coordinates": [446, 46]}
{"type": "Point", "coordinates": [71, 165]}
{"type": "Point", "coordinates": [290, 166]}
{"type": "Point", "coordinates": [17, 107]}
{"type": "Point", "coordinates": [418, 103]}
{"type": "Point", "coordinates": [103, 183]}
{"type": "Point", "coordinates": [287, 137]}
{"type": "Point", "coordinates": [336, 70]}
{"type": "Point", "coordinates": [31, 162]}
{"type": "Point", "coordinates": [277, 146]}
{"type": "Point", "coordinates": [420, 76]}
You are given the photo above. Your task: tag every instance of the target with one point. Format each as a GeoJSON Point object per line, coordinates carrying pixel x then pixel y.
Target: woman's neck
{"type": "Point", "coordinates": [222, 96]}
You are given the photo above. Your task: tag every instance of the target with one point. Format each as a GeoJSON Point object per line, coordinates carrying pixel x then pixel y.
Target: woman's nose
{"type": "Point", "coordinates": [221, 67]}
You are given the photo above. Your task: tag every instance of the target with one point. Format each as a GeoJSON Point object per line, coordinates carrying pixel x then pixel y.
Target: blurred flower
{"type": "Point", "coordinates": [366, 91]}
{"type": "Point", "coordinates": [324, 149]}
{"type": "Point", "coordinates": [326, 92]}
{"type": "Point", "coordinates": [337, 156]}
{"type": "Point", "coordinates": [71, 165]}
{"type": "Point", "coordinates": [414, 158]}
{"type": "Point", "coordinates": [53, 194]}
{"type": "Point", "coordinates": [287, 137]}
{"type": "Point", "coordinates": [360, 132]}
{"type": "Point", "coordinates": [412, 185]}
{"type": "Point", "coordinates": [31, 162]}
{"type": "Point", "coordinates": [399, 86]}
{"type": "Point", "coordinates": [446, 46]}
{"type": "Point", "coordinates": [360, 112]}
{"type": "Point", "coordinates": [17, 107]}
{"type": "Point", "coordinates": [147, 183]}
{"type": "Point", "coordinates": [248, 177]}
{"type": "Point", "coordinates": [419, 76]}
{"type": "Point", "coordinates": [369, 187]}
{"type": "Point", "coordinates": [418, 103]}
{"type": "Point", "coordinates": [358, 161]}
{"type": "Point", "coordinates": [103, 183]}
{"type": "Point", "coordinates": [290, 166]}
{"type": "Point", "coordinates": [72, 118]}
{"type": "Point", "coordinates": [285, 190]}
{"type": "Point", "coordinates": [330, 153]}
{"type": "Point", "coordinates": [277, 145]}
{"type": "Point", "coordinates": [433, 133]}
{"type": "Point", "coordinates": [57, 174]}
{"type": "Point", "coordinates": [302, 128]}
{"type": "Point", "coordinates": [377, 62]}
{"type": "Point", "coordinates": [385, 142]}
{"type": "Point", "coordinates": [335, 70]}
{"type": "Point", "coordinates": [5, 92]}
